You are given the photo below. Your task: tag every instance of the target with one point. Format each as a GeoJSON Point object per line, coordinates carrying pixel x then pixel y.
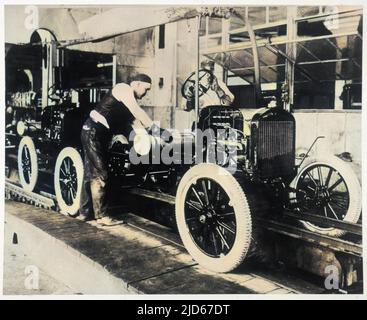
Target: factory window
{"type": "Point", "coordinates": [214, 26]}
{"type": "Point", "coordinates": [305, 11]}
{"type": "Point", "coordinates": [328, 70]}
{"type": "Point", "coordinates": [241, 78]}
{"type": "Point", "coordinates": [327, 55]}
{"type": "Point", "coordinates": [257, 15]}
{"type": "Point", "coordinates": [235, 22]}
{"type": "Point", "coordinates": [278, 13]}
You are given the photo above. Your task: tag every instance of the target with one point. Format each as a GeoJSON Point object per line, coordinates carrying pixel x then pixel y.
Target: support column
{"type": "Point", "coordinates": [197, 64]}
{"type": "Point", "coordinates": [291, 51]}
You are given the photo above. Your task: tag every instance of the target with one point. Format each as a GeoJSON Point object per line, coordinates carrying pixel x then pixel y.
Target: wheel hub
{"type": "Point", "coordinates": [323, 196]}
{"type": "Point", "coordinates": [208, 216]}
{"type": "Point", "coordinates": [202, 218]}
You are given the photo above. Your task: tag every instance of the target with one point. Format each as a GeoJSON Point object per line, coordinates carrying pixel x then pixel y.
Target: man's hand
{"type": "Point", "coordinates": [190, 105]}
{"type": "Point", "coordinates": [214, 86]}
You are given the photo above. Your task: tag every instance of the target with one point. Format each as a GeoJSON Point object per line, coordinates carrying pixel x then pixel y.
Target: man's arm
{"type": "Point", "coordinates": [226, 97]}
{"type": "Point", "coordinates": [229, 95]}
{"type": "Point", "coordinates": [123, 93]}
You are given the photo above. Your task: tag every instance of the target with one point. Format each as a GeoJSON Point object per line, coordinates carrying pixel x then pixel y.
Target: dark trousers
{"type": "Point", "coordinates": [95, 139]}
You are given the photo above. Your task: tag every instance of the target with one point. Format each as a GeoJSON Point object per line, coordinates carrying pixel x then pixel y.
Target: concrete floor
{"type": "Point", "coordinates": [16, 263]}
{"type": "Point", "coordinates": [114, 260]}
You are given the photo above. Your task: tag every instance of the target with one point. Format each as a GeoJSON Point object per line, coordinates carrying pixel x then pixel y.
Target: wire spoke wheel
{"type": "Point", "coordinates": [328, 188]}
{"type": "Point", "coordinates": [68, 179]}
{"type": "Point", "coordinates": [323, 191]}
{"type": "Point", "coordinates": [27, 164]}
{"type": "Point", "coordinates": [213, 217]}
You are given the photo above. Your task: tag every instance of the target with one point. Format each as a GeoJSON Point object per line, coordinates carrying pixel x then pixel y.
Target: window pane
{"type": "Point", "coordinates": [272, 74]}
{"type": "Point", "coordinates": [314, 95]}
{"type": "Point", "coordinates": [215, 25]}
{"type": "Point", "coordinates": [239, 37]}
{"type": "Point", "coordinates": [257, 15]}
{"type": "Point", "coordinates": [329, 73]}
{"type": "Point", "coordinates": [268, 57]}
{"type": "Point", "coordinates": [277, 13]}
{"type": "Point", "coordinates": [280, 30]}
{"type": "Point", "coordinates": [332, 24]}
{"type": "Point", "coordinates": [235, 22]}
{"type": "Point", "coordinates": [305, 11]}
{"type": "Point", "coordinates": [334, 58]}
{"type": "Point", "coordinates": [331, 9]}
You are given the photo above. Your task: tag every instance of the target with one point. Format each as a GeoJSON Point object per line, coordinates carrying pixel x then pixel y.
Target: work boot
{"type": "Point", "coordinates": [108, 221]}
{"type": "Point", "coordinates": [84, 218]}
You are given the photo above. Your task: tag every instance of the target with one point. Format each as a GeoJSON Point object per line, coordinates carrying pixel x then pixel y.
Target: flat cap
{"type": "Point", "coordinates": [140, 77]}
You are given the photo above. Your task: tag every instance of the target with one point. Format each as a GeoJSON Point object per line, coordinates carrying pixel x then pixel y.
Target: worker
{"type": "Point", "coordinates": [117, 113]}
{"type": "Point", "coordinates": [214, 92]}
{"type": "Point", "coordinates": [217, 93]}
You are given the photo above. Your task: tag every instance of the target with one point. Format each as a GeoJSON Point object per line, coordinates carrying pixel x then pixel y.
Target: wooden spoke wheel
{"type": "Point", "coordinates": [27, 163]}
{"type": "Point", "coordinates": [68, 179]}
{"type": "Point", "coordinates": [213, 217]}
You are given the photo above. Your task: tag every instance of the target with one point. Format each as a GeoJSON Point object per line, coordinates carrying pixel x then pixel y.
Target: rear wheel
{"type": "Point", "coordinates": [68, 179]}
{"type": "Point", "coordinates": [329, 188]}
{"type": "Point", "coordinates": [213, 217]}
{"type": "Point", "coordinates": [27, 164]}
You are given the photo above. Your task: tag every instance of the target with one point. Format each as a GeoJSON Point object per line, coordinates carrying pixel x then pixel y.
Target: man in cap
{"type": "Point", "coordinates": [115, 114]}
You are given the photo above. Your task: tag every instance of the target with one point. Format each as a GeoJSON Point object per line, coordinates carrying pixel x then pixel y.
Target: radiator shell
{"type": "Point", "coordinates": [272, 143]}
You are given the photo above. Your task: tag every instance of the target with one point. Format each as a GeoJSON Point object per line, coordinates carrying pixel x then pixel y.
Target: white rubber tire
{"type": "Point", "coordinates": [354, 189]}
{"type": "Point", "coordinates": [74, 155]}
{"type": "Point", "coordinates": [241, 208]}
{"type": "Point", "coordinates": [27, 142]}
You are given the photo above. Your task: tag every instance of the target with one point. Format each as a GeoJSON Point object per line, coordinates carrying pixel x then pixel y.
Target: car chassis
{"type": "Point", "coordinates": [215, 198]}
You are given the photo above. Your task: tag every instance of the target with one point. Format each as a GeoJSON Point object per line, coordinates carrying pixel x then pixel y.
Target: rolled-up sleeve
{"type": "Point", "coordinates": [125, 94]}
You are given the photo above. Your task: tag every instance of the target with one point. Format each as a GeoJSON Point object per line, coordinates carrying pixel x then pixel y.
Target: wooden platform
{"type": "Point", "coordinates": [143, 256]}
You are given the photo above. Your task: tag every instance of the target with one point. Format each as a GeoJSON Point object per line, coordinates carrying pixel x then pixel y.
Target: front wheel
{"type": "Point", "coordinates": [213, 217]}
{"type": "Point", "coordinates": [329, 188]}
{"type": "Point", "coordinates": [68, 179]}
